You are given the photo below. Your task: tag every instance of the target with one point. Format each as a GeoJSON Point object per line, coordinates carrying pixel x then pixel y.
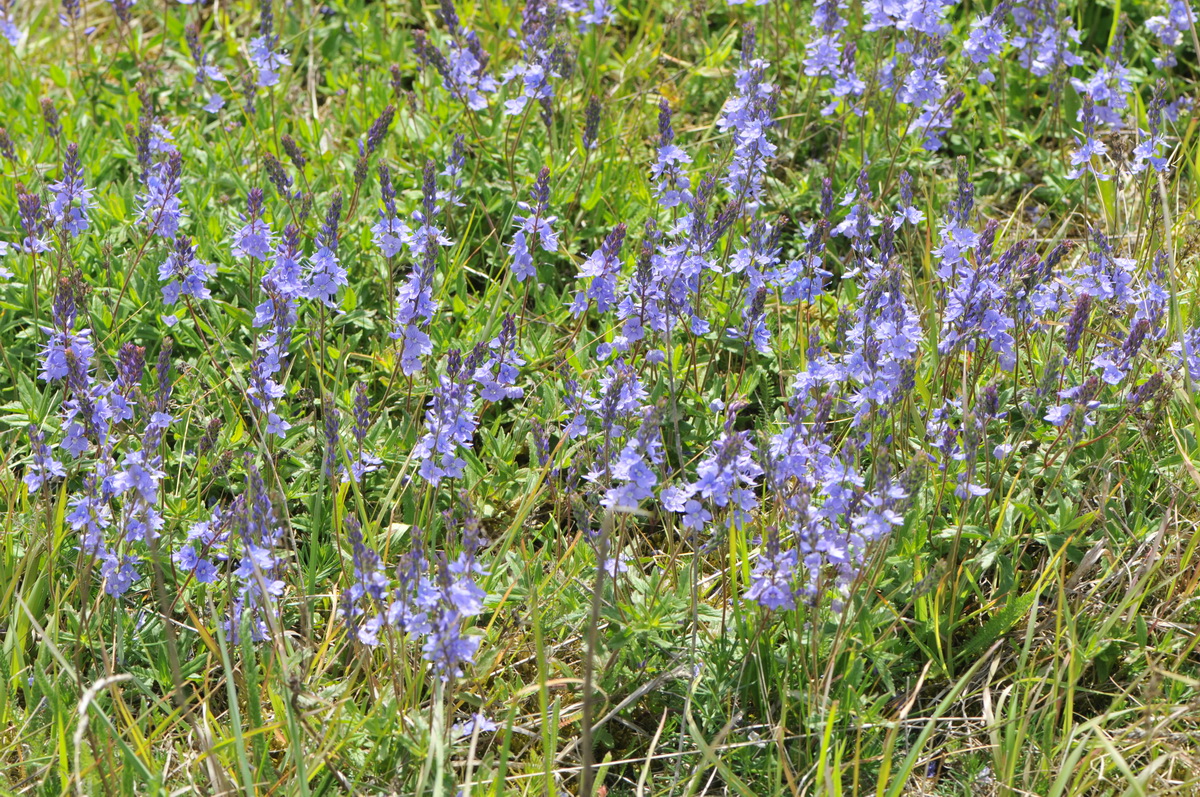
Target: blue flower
{"type": "Point", "coordinates": [184, 273]}
{"type": "Point", "coordinates": [44, 468]}
{"type": "Point", "coordinates": [535, 226]}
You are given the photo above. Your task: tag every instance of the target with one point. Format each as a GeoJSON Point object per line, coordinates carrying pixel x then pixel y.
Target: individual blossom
{"type": "Point", "coordinates": [907, 213]}
{"type": "Point", "coordinates": [536, 225]}
{"type": "Point", "coordinates": [389, 233]}
{"type": "Point", "coordinates": [184, 273]}
{"type": "Point", "coordinates": [33, 225]}
{"type": "Point", "coordinates": [365, 462]}
{"type": "Point", "coordinates": [671, 183]}
{"type": "Point", "coordinates": [986, 40]}
{"type": "Point", "coordinates": [726, 479]}
{"type": "Point", "coordinates": [773, 576]}
{"type": "Point", "coordinates": [253, 239]}
{"type": "Point", "coordinates": [631, 477]}
{"type": "Point", "coordinates": [8, 26]}
{"type": "Point", "coordinates": [360, 605]}
{"type": "Point", "coordinates": [595, 13]}
{"type": "Point", "coordinates": [1152, 142]}
{"type": "Point", "coordinates": [478, 723]}
{"type": "Point", "coordinates": [44, 467]}
{"type": "Point", "coordinates": [72, 199]}
{"type": "Point", "coordinates": [1169, 29]}
{"type": "Point", "coordinates": [1091, 148]}
{"type": "Point", "coordinates": [159, 205]}
{"type": "Point", "coordinates": [602, 269]}
{"type": "Point", "coordinates": [264, 52]}
{"type": "Point", "coordinates": [325, 274]}
{"type": "Point", "coordinates": [449, 421]}
{"type": "Point", "coordinates": [747, 115]}
{"type": "Point", "coordinates": [453, 173]}
{"type": "Point", "coordinates": [497, 375]}
{"type": "Point", "coordinates": [463, 68]}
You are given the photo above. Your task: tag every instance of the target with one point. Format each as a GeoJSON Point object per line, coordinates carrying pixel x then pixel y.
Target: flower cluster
{"type": "Point", "coordinates": [535, 226]}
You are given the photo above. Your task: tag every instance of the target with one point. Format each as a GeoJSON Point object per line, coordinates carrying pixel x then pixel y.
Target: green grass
{"type": "Point", "coordinates": [1040, 639]}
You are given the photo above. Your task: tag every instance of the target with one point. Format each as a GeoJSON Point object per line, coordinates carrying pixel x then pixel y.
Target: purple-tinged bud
{"type": "Point", "coordinates": [211, 432]}
{"type": "Point", "coordinates": [987, 241]}
{"type": "Point", "coordinates": [666, 133]}
{"type": "Point", "coordinates": [361, 167]}
{"type": "Point", "coordinates": [591, 122]}
{"type": "Point", "coordinates": [254, 204]}
{"type": "Point", "coordinates": [387, 191]}
{"type": "Point", "coordinates": [1077, 322]}
{"type": "Point", "coordinates": [887, 241]}
{"type": "Point", "coordinates": [131, 366]}
{"type": "Point", "coordinates": [332, 425]}
{"type": "Point", "coordinates": [191, 35]}
{"type": "Point", "coordinates": [64, 305]}
{"type": "Point", "coordinates": [1137, 336]}
{"type": "Point", "coordinates": [449, 16]}
{"type": "Point", "coordinates": [266, 19]}
{"type": "Point", "coordinates": [249, 92]}
{"type": "Point", "coordinates": [362, 412]}
{"type": "Point", "coordinates": [429, 190]}
{"type": "Point", "coordinates": [379, 128]}
{"type": "Point", "coordinates": [906, 188]}
{"type": "Point", "coordinates": [50, 116]}
{"type": "Point", "coordinates": [292, 150]}
{"type": "Point", "coordinates": [1052, 259]}
{"type": "Point", "coordinates": [541, 188]}
{"type": "Point", "coordinates": [6, 146]}
{"type": "Point", "coordinates": [429, 54]}
{"type": "Point", "coordinates": [989, 402]}
{"type": "Point", "coordinates": [29, 208]}
{"type": "Point", "coordinates": [1147, 390]}
{"type": "Point", "coordinates": [328, 234]}
{"type": "Point", "coordinates": [749, 42]}
{"type": "Point", "coordinates": [1050, 374]}
{"type": "Point", "coordinates": [276, 174]}
{"type": "Point", "coordinates": [163, 374]}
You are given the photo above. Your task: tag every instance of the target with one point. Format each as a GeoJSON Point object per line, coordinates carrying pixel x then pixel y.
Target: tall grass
{"type": "Point", "coordinates": [587, 589]}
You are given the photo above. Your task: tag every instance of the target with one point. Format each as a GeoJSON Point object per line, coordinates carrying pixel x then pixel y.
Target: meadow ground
{"type": "Point", "coordinates": [649, 398]}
